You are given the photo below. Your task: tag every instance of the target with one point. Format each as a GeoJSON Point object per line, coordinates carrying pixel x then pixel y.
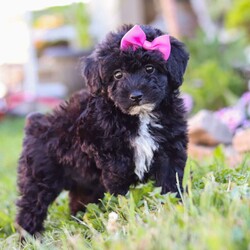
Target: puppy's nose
{"type": "Point", "coordinates": [136, 96]}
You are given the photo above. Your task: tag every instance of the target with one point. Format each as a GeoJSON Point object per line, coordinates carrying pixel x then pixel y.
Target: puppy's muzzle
{"type": "Point", "coordinates": [136, 96]}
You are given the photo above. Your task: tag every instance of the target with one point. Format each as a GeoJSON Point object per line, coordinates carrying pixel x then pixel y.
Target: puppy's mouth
{"type": "Point", "coordinates": [142, 109]}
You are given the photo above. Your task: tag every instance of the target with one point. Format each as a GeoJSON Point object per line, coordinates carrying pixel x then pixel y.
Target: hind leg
{"type": "Point", "coordinates": [81, 196]}
{"type": "Point", "coordinates": [39, 184]}
{"type": "Point", "coordinates": [39, 179]}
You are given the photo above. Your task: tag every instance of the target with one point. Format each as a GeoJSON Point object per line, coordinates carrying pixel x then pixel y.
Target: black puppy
{"type": "Point", "coordinates": [130, 127]}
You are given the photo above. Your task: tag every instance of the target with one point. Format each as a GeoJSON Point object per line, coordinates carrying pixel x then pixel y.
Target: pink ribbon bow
{"type": "Point", "coordinates": [136, 37]}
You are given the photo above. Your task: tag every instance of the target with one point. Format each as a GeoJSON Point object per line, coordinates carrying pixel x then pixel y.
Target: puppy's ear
{"type": "Point", "coordinates": [177, 63]}
{"type": "Point", "coordinates": [90, 71]}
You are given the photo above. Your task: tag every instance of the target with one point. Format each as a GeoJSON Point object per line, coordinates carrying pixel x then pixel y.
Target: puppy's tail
{"type": "Point", "coordinates": [36, 123]}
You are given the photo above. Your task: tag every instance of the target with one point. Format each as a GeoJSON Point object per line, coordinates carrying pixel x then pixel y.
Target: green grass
{"type": "Point", "coordinates": [215, 214]}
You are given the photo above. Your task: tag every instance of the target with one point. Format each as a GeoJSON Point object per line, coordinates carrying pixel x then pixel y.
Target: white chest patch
{"type": "Point", "coordinates": [144, 145]}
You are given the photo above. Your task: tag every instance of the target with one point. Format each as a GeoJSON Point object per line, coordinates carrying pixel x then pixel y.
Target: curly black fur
{"type": "Point", "coordinates": [89, 145]}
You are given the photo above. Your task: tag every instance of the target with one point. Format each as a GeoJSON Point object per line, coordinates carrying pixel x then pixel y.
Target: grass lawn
{"type": "Point", "coordinates": [214, 215]}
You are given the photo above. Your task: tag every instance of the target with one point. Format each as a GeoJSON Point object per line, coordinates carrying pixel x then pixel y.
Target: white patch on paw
{"type": "Point", "coordinates": [144, 144]}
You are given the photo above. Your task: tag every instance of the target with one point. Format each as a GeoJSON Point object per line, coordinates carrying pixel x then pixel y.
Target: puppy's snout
{"type": "Point", "coordinates": [136, 96]}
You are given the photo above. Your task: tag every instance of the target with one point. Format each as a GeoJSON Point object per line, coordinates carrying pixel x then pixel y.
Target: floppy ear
{"type": "Point", "coordinates": [90, 71]}
{"type": "Point", "coordinates": [177, 62]}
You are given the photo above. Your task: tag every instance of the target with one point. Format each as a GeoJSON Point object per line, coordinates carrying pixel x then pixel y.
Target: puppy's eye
{"type": "Point", "coordinates": [118, 74]}
{"type": "Point", "coordinates": [149, 69]}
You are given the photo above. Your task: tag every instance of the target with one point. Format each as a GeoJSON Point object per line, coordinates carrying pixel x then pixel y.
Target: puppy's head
{"type": "Point", "coordinates": [136, 80]}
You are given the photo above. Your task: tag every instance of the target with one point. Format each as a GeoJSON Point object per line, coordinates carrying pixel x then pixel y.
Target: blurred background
{"type": "Point", "coordinates": [42, 41]}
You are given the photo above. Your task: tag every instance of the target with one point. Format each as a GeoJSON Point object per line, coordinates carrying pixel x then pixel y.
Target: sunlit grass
{"type": "Point", "coordinates": [10, 145]}
{"type": "Point", "coordinates": [215, 214]}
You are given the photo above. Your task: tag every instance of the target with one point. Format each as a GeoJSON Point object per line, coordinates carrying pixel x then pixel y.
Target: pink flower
{"type": "Point", "coordinates": [188, 102]}
{"type": "Point", "coordinates": [233, 117]}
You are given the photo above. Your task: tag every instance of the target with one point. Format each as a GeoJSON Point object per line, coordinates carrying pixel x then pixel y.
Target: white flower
{"type": "Point", "coordinates": [112, 225]}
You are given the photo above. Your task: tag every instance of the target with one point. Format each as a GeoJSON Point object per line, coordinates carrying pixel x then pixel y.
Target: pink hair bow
{"type": "Point", "coordinates": [136, 37]}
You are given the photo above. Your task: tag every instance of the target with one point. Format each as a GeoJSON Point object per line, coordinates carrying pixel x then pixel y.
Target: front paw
{"type": "Point", "coordinates": [118, 190]}
{"type": "Point", "coordinates": [173, 187]}
{"type": "Point", "coordinates": [114, 184]}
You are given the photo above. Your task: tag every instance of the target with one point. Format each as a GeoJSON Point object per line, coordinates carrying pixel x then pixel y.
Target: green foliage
{"type": "Point", "coordinates": [79, 18]}
{"type": "Point", "coordinates": [10, 144]}
{"type": "Point", "coordinates": [217, 9]}
{"type": "Point", "coordinates": [211, 86]}
{"type": "Point", "coordinates": [57, 11]}
{"type": "Point", "coordinates": [214, 214]}
{"type": "Point", "coordinates": [210, 77]}
{"type": "Point", "coordinates": [238, 16]}
{"type": "Point", "coordinates": [75, 14]}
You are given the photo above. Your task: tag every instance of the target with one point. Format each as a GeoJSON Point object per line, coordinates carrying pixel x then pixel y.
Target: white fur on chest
{"type": "Point", "coordinates": [144, 145]}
